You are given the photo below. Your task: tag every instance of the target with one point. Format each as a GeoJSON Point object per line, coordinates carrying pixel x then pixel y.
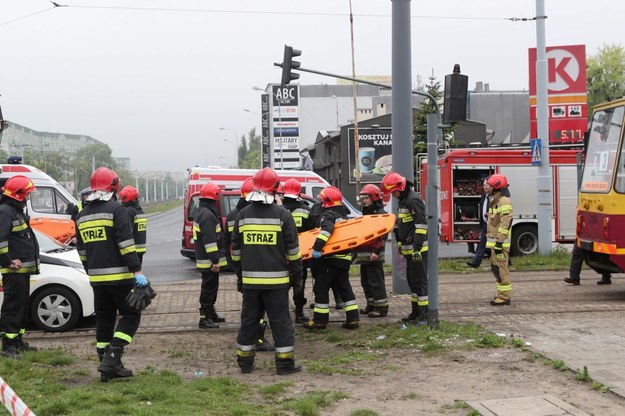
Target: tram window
{"type": "Point", "coordinates": [617, 127]}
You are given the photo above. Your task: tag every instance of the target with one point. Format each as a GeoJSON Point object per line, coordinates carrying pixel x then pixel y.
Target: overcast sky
{"type": "Point", "coordinates": [156, 79]}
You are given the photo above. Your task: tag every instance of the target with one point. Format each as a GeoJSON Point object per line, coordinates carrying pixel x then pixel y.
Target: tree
{"type": "Point", "coordinates": [89, 157]}
{"type": "Point", "coordinates": [605, 74]}
{"type": "Point", "coordinates": [251, 158]}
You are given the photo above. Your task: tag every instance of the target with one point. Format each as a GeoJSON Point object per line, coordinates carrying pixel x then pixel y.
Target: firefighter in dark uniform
{"type": "Point", "coordinates": [107, 250]}
{"type": "Point", "coordinates": [371, 258]}
{"type": "Point", "coordinates": [262, 343]}
{"type": "Point", "coordinates": [267, 259]}
{"type": "Point", "coordinates": [130, 200]}
{"type": "Point", "coordinates": [412, 240]}
{"type": "Point", "coordinates": [332, 270]}
{"type": "Point", "coordinates": [304, 221]}
{"type": "Point", "coordinates": [498, 231]}
{"type": "Point", "coordinates": [19, 258]}
{"type": "Point", "coordinates": [210, 254]}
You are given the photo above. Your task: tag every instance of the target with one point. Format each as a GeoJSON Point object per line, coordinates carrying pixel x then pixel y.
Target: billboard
{"type": "Point", "coordinates": [285, 127]}
{"type": "Point", "coordinates": [566, 93]}
{"type": "Point", "coordinates": [374, 153]}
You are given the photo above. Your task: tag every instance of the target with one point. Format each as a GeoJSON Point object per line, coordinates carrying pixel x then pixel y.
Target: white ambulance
{"type": "Point", "coordinates": [48, 205]}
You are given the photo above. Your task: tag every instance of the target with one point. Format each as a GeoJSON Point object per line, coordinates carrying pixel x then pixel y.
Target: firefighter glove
{"type": "Point", "coordinates": [416, 257]}
{"type": "Point", "coordinates": [239, 283]}
{"type": "Point", "coordinates": [140, 297]}
{"type": "Point", "coordinates": [317, 254]}
{"type": "Point", "coordinates": [498, 250]}
{"type": "Point", "coordinates": [141, 280]}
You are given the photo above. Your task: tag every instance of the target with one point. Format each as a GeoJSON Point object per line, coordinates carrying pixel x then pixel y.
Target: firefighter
{"type": "Point", "coordinates": [332, 270]}
{"type": "Point", "coordinates": [371, 258]}
{"type": "Point", "coordinates": [262, 343]}
{"type": "Point", "coordinates": [411, 235]}
{"type": "Point", "coordinates": [108, 254]}
{"type": "Point", "coordinates": [210, 253]}
{"type": "Point", "coordinates": [19, 258]}
{"type": "Point", "coordinates": [130, 200]}
{"type": "Point", "coordinates": [498, 231]}
{"type": "Point", "coordinates": [267, 259]}
{"type": "Point", "coordinates": [304, 222]}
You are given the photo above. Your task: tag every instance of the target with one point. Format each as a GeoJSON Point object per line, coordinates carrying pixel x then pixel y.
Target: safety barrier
{"type": "Point", "coordinates": [12, 402]}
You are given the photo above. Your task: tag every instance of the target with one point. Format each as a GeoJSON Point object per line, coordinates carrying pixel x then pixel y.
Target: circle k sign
{"type": "Point", "coordinates": [566, 69]}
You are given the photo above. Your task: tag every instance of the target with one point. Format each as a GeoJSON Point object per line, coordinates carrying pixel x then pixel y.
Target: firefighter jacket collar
{"type": "Point", "coordinates": [100, 196]}
{"type": "Point", "coordinates": [259, 196]}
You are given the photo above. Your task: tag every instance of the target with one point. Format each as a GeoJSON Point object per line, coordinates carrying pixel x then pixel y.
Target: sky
{"type": "Point", "coordinates": [157, 79]}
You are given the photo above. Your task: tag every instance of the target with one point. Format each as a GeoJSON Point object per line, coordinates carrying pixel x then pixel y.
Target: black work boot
{"type": "Point", "coordinates": [245, 360]}
{"type": "Point", "coordinates": [314, 325]}
{"type": "Point", "coordinates": [23, 346]}
{"type": "Point", "coordinates": [367, 309]}
{"type": "Point", "coordinates": [10, 349]}
{"type": "Point", "coordinates": [103, 376]}
{"type": "Point", "coordinates": [413, 315]}
{"type": "Point", "coordinates": [207, 323]}
{"type": "Point", "coordinates": [212, 314]}
{"type": "Point", "coordinates": [111, 364]}
{"type": "Point", "coordinates": [263, 343]}
{"type": "Point", "coordinates": [379, 311]}
{"type": "Point", "coordinates": [285, 366]}
{"type": "Point", "coordinates": [300, 318]}
{"type": "Point", "coordinates": [606, 279]}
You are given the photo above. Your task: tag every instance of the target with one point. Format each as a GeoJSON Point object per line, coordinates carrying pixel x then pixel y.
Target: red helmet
{"type": "Point", "coordinates": [266, 180]}
{"type": "Point", "coordinates": [393, 181]}
{"type": "Point", "coordinates": [247, 187]}
{"type": "Point", "coordinates": [497, 181]}
{"type": "Point", "coordinates": [292, 188]}
{"type": "Point", "coordinates": [104, 179]}
{"type": "Point", "coordinates": [371, 190]}
{"type": "Point", "coordinates": [210, 191]}
{"type": "Point", "coordinates": [128, 193]}
{"type": "Point", "coordinates": [18, 187]}
{"type": "Point", "coordinates": [331, 197]}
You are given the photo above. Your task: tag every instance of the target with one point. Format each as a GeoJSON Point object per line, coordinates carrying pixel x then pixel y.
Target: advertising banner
{"type": "Point", "coordinates": [265, 144]}
{"type": "Point", "coordinates": [285, 127]}
{"type": "Point", "coordinates": [374, 154]}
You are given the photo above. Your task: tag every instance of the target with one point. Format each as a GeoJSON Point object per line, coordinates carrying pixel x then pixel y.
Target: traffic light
{"type": "Point", "coordinates": [288, 65]}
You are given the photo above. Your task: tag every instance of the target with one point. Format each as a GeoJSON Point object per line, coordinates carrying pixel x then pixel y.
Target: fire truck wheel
{"type": "Point", "coordinates": [524, 240]}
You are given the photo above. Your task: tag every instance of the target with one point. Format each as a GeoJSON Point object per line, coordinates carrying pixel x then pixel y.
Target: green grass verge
{"type": "Point", "coordinates": [162, 206]}
{"type": "Point", "coordinates": [51, 383]}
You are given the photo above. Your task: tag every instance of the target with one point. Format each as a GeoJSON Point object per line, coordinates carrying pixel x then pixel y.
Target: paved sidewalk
{"type": "Point", "coordinates": [581, 325]}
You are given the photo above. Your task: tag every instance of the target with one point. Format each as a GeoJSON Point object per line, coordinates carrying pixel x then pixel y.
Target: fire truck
{"type": "Point", "coordinates": [462, 173]}
{"type": "Point", "coordinates": [230, 180]}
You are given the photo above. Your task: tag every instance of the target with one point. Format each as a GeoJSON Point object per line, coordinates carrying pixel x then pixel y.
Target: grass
{"type": "Point", "coordinates": [52, 383]}
{"type": "Point", "coordinates": [559, 259]}
{"type": "Point", "coordinates": [162, 206]}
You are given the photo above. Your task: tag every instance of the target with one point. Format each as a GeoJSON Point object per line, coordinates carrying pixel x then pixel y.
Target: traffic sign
{"type": "Point", "coordinates": [537, 159]}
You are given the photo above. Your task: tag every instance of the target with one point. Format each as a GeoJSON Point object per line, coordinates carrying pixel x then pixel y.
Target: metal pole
{"type": "Point", "coordinates": [432, 215]}
{"type": "Point", "coordinates": [401, 117]}
{"type": "Point", "coordinates": [544, 181]}
{"type": "Point", "coordinates": [357, 172]}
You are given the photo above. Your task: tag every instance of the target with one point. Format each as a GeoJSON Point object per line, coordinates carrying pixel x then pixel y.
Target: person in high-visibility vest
{"type": "Point", "coordinates": [498, 231]}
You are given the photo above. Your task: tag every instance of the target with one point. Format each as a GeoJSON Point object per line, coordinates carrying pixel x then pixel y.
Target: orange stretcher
{"type": "Point", "coordinates": [60, 229]}
{"type": "Point", "coordinates": [348, 234]}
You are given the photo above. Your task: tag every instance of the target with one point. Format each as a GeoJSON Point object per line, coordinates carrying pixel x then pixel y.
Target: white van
{"type": "Point", "coordinates": [312, 183]}
{"type": "Point", "coordinates": [48, 204]}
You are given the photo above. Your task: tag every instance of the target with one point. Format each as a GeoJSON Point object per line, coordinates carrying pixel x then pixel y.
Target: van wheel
{"type": "Point", "coordinates": [55, 309]}
{"type": "Point", "coordinates": [524, 240]}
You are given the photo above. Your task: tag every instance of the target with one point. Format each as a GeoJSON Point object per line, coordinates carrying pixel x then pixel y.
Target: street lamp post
{"type": "Point", "coordinates": [279, 122]}
{"type": "Point", "coordinates": [236, 144]}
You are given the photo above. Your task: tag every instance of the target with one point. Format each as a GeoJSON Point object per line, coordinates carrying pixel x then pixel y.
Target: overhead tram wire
{"type": "Point", "coordinates": [264, 12]}
{"type": "Point", "coordinates": [28, 15]}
